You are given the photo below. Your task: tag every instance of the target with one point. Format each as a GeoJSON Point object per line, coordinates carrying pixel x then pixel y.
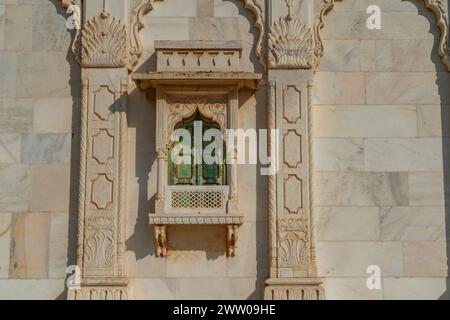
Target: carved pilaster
{"type": "Point", "coordinates": [292, 261]}
{"type": "Point", "coordinates": [292, 258]}
{"type": "Point", "coordinates": [103, 154]}
{"type": "Point", "coordinates": [102, 198]}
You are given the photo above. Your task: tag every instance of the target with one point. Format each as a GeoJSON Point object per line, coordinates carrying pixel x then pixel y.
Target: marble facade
{"type": "Point", "coordinates": [364, 150]}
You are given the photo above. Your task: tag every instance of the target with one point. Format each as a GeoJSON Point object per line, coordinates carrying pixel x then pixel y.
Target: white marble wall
{"type": "Point", "coordinates": [379, 147]}
{"type": "Point", "coordinates": [379, 154]}
{"type": "Point", "coordinates": [38, 89]}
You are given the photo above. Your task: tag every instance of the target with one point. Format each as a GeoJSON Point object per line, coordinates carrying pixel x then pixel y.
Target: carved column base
{"type": "Point", "coordinates": [98, 293]}
{"type": "Point", "coordinates": [294, 289]}
{"type": "Point", "coordinates": [100, 289]}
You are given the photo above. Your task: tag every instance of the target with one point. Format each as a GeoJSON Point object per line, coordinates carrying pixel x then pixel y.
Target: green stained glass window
{"type": "Point", "coordinates": [201, 173]}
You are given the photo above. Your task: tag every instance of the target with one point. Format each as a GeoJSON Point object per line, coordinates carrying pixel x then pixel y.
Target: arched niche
{"type": "Point", "coordinates": [439, 8]}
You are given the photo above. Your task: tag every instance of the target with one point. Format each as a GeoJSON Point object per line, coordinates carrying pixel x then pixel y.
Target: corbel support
{"type": "Point", "coordinates": [232, 238]}
{"type": "Point", "coordinates": [161, 240]}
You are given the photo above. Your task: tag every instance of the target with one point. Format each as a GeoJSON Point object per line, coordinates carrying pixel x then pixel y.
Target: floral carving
{"type": "Point", "coordinates": [293, 242]}
{"type": "Point", "coordinates": [104, 43]}
{"type": "Point", "coordinates": [99, 249]}
{"type": "Point", "coordinates": [291, 45]}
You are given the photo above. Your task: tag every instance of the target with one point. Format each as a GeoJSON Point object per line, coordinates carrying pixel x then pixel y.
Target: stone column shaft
{"type": "Point", "coordinates": [293, 274]}
{"type": "Point", "coordinates": [103, 156]}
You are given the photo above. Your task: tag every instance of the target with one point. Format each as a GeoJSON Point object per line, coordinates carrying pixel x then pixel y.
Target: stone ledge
{"type": "Point", "coordinates": [197, 75]}
{"type": "Point", "coordinates": [197, 45]}
{"type": "Point", "coordinates": [197, 219]}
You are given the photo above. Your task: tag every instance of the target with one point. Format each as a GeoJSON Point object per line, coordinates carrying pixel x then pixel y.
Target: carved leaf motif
{"type": "Point", "coordinates": [99, 251]}
{"type": "Point", "coordinates": [293, 249]}
{"type": "Point", "coordinates": [293, 242]}
{"type": "Point", "coordinates": [291, 45]}
{"type": "Point", "coordinates": [104, 43]}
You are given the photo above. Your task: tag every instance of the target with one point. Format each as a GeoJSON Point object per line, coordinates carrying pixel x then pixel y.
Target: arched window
{"type": "Point", "coordinates": [198, 174]}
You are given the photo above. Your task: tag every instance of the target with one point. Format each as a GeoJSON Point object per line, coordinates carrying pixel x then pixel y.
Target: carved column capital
{"type": "Point", "coordinates": [104, 43]}
{"type": "Point", "coordinates": [291, 44]}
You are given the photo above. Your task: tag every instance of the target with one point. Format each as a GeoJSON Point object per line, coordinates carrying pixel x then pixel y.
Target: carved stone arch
{"type": "Point", "coordinates": [440, 10]}
{"type": "Point", "coordinates": [256, 7]}
{"type": "Point", "coordinates": [137, 25]}
{"type": "Point", "coordinates": [182, 108]}
{"type": "Point", "coordinates": [438, 7]}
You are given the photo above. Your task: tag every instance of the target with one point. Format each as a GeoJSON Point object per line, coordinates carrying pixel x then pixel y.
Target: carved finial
{"type": "Point", "coordinates": [289, 4]}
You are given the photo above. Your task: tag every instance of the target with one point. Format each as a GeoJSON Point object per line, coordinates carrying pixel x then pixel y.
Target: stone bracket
{"type": "Point", "coordinates": [160, 225]}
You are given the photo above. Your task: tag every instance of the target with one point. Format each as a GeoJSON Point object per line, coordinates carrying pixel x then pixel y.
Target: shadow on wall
{"type": "Point", "coordinates": [211, 239]}
{"type": "Point", "coordinates": [442, 81]}
{"type": "Point", "coordinates": [444, 90]}
{"type": "Point", "coordinates": [75, 85]}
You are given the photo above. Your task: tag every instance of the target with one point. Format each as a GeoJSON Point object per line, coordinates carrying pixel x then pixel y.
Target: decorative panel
{"type": "Point", "coordinates": [292, 149]}
{"type": "Point", "coordinates": [102, 146]}
{"type": "Point", "coordinates": [104, 99]}
{"type": "Point", "coordinates": [102, 192]}
{"type": "Point", "coordinates": [293, 243]}
{"type": "Point", "coordinates": [293, 194]}
{"type": "Point", "coordinates": [292, 103]}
